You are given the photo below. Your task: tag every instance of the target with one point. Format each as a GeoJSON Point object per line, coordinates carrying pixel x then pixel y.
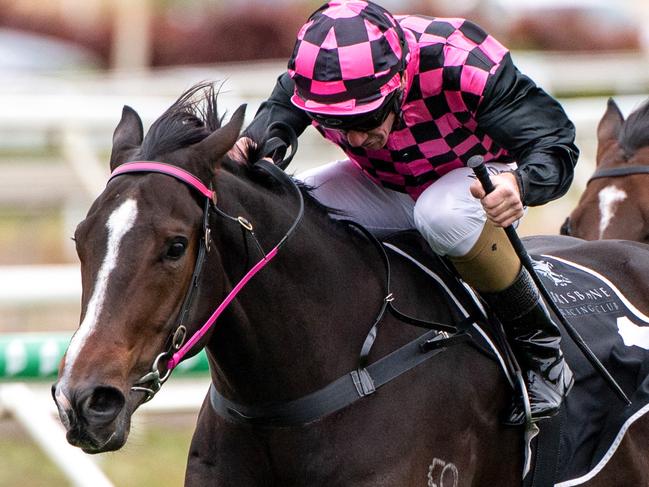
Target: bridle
{"type": "Point", "coordinates": [151, 382]}
{"type": "Point", "coordinates": [614, 172]}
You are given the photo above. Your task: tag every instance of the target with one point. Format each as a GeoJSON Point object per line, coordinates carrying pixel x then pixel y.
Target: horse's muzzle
{"type": "Point", "coordinates": [92, 417]}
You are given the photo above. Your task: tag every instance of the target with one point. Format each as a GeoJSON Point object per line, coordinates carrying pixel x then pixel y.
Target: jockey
{"type": "Point", "coordinates": [410, 99]}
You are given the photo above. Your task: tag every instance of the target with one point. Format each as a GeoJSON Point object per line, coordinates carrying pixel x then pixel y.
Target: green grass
{"type": "Point", "coordinates": [23, 464]}
{"type": "Point", "coordinates": [154, 456]}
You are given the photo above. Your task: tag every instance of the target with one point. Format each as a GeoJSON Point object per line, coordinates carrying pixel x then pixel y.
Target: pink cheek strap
{"type": "Point", "coordinates": [177, 357]}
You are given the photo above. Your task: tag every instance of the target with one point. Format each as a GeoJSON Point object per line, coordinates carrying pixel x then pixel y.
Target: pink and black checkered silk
{"type": "Point", "coordinates": [451, 61]}
{"type": "Point", "coordinates": [347, 58]}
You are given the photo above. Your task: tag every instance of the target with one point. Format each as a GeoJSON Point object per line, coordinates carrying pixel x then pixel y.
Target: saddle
{"type": "Point", "coordinates": [474, 315]}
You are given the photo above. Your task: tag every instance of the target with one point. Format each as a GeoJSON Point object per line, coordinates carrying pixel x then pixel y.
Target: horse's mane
{"type": "Point", "coordinates": [191, 118]}
{"type": "Point", "coordinates": [194, 116]}
{"type": "Point", "coordinates": [635, 131]}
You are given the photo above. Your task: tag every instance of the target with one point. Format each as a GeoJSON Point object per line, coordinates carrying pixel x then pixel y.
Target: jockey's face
{"type": "Point", "coordinates": [367, 130]}
{"type": "Point", "coordinates": [373, 139]}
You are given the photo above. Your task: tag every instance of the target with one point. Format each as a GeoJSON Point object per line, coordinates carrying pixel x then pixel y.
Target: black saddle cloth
{"type": "Point", "coordinates": [593, 420]}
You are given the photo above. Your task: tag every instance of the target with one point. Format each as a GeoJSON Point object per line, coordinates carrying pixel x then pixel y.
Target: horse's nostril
{"type": "Point", "coordinates": [104, 404]}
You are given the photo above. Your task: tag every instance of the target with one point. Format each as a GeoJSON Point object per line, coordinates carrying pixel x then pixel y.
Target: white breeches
{"type": "Point", "coordinates": [446, 213]}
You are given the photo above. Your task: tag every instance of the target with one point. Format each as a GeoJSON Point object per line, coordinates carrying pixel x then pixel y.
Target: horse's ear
{"type": "Point", "coordinates": [611, 123]}
{"type": "Point", "coordinates": [217, 144]}
{"type": "Point", "coordinates": [128, 135]}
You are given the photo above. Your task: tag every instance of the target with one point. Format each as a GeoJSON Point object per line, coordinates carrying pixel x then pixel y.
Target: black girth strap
{"type": "Point", "coordinates": [340, 393]}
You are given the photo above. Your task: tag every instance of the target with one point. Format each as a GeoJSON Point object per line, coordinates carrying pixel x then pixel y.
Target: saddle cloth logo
{"type": "Point", "coordinates": [546, 269]}
{"type": "Point", "coordinates": [585, 295]}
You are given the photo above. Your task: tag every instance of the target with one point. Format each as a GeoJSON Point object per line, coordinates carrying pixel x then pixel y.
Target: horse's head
{"type": "Point", "coordinates": [138, 248]}
{"type": "Point", "coordinates": [615, 203]}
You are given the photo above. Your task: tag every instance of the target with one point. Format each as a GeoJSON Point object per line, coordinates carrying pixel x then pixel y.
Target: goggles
{"type": "Point", "coordinates": [363, 122]}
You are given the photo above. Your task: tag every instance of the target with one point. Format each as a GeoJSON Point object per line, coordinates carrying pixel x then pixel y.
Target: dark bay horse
{"type": "Point", "coordinates": [295, 327]}
{"type": "Point", "coordinates": [615, 203]}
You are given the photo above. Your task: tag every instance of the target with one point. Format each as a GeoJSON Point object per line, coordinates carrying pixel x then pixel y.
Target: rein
{"type": "Point", "coordinates": [617, 172]}
{"type": "Point", "coordinates": [151, 382]}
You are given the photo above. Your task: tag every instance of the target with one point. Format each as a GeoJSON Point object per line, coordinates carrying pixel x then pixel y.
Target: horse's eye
{"type": "Point", "coordinates": [176, 248]}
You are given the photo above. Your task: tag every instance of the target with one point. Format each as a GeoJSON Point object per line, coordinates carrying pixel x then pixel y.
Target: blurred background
{"type": "Point", "coordinates": [67, 67]}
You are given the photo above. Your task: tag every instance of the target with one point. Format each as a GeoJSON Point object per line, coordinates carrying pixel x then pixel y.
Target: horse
{"type": "Point", "coordinates": [181, 227]}
{"type": "Point", "coordinates": [615, 203]}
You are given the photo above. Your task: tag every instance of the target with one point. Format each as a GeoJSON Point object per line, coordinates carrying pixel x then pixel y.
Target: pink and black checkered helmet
{"type": "Point", "coordinates": [347, 59]}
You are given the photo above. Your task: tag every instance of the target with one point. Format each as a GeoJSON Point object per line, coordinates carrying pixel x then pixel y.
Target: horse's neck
{"type": "Point", "coordinates": [301, 320]}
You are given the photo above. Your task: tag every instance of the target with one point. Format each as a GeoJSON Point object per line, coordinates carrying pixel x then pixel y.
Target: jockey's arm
{"type": "Point", "coordinates": [533, 127]}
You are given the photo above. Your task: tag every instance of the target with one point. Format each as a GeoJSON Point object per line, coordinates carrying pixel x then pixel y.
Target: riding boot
{"type": "Point", "coordinates": [493, 269]}
{"type": "Point", "coordinates": [535, 340]}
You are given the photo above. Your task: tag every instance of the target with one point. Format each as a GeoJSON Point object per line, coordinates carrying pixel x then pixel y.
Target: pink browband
{"type": "Point", "coordinates": [168, 169]}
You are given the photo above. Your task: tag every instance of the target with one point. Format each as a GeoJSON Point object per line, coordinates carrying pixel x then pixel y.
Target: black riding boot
{"type": "Point", "coordinates": [535, 340]}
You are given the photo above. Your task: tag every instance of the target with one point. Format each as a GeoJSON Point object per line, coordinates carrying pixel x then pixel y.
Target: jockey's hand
{"type": "Point", "coordinates": [503, 205]}
{"type": "Point", "coordinates": [241, 150]}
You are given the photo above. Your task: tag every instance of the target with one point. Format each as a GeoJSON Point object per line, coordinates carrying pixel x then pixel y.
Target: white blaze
{"type": "Point", "coordinates": [609, 197]}
{"type": "Point", "coordinates": [118, 224]}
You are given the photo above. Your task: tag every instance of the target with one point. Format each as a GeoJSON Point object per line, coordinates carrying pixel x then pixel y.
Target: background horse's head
{"type": "Point", "coordinates": [138, 248]}
{"type": "Point", "coordinates": [615, 203]}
